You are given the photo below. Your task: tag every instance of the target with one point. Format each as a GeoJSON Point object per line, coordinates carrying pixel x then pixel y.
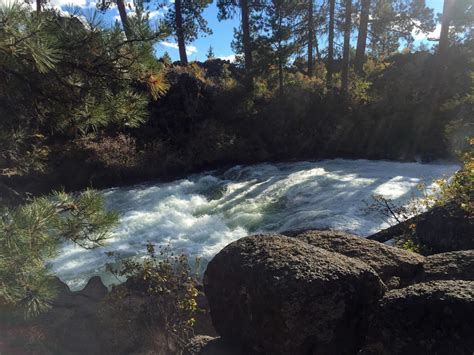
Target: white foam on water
{"type": "Point", "coordinates": [203, 213]}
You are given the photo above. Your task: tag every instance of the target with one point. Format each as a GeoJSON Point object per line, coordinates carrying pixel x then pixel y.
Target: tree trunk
{"type": "Point", "coordinates": [124, 19]}
{"type": "Point", "coordinates": [280, 76]}
{"type": "Point", "coordinates": [310, 37]}
{"type": "Point", "coordinates": [345, 52]}
{"type": "Point", "coordinates": [329, 66]}
{"type": "Point", "coordinates": [318, 53]}
{"type": "Point", "coordinates": [362, 37]}
{"type": "Point", "coordinates": [445, 22]}
{"type": "Point", "coordinates": [244, 7]}
{"type": "Point", "coordinates": [38, 7]}
{"type": "Point", "coordinates": [180, 33]}
{"type": "Point", "coordinates": [280, 54]}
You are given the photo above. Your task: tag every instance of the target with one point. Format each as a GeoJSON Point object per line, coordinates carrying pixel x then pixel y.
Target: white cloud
{"type": "Point", "coordinates": [189, 49]}
{"type": "Point", "coordinates": [73, 3]}
{"type": "Point", "coordinates": [170, 45]}
{"type": "Point", "coordinates": [156, 13]}
{"type": "Point", "coordinates": [129, 14]}
{"type": "Point", "coordinates": [433, 35]}
{"type": "Point", "coordinates": [230, 58]}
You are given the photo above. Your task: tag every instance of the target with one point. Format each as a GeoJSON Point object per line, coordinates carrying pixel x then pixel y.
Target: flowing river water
{"type": "Point", "coordinates": [201, 214]}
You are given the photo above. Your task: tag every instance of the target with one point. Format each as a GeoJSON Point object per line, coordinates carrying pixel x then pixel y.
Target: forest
{"type": "Point", "coordinates": [85, 105]}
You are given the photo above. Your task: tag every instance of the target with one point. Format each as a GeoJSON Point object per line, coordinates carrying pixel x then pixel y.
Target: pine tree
{"type": "Point", "coordinates": [330, 57]}
{"type": "Point", "coordinates": [280, 16]}
{"type": "Point", "coordinates": [106, 4]}
{"type": "Point", "coordinates": [210, 53]}
{"type": "Point", "coordinates": [31, 233]}
{"type": "Point", "coordinates": [393, 21]}
{"type": "Point", "coordinates": [458, 14]}
{"type": "Point", "coordinates": [185, 22]}
{"type": "Point", "coordinates": [346, 47]}
{"type": "Point", "coordinates": [227, 10]}
{"type": "Point", "coordinates": [362, 36]}
{"type": "Point", "coordinates": [311, 37]}
{"type": "Point", "coordinates": [167, 58]}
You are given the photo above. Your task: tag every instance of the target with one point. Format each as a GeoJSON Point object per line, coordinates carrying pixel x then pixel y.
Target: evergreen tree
{"type": "Point", "coordinates": [362, 35]}
{"type": "Point", "coordinates": [50, 57]}
{"type": "Point", "coordinates": [166, 58]}
{"type": "Point", "coordinates": [30, 234]}
{"type": "Point", "coordinates": [396, 21]}
{"type": "Point", "coordinates": [228, 9]}
{"type": "Point", "coordinates": [457, 18]}
{"type": "Point", "coordinates": [306, 28]}
{"type": "Point", "coordinates": [210, 53]}
{"type": "Point", "coordinates": [185, 21]}
{"type": "Point", "coordinates": [104, 5]}
{"type": "Point", "coordinates": [330, 57]}
{"type": "Point", "coordinates": [311, 37]}
{"type": "Point", "coordinates": [346, 46]}
{"type": "Point", "coordinates": [280, 16]}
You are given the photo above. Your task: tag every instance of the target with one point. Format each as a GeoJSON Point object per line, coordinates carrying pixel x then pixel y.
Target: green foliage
{"type": "Point", "coordinates": [21, 153]}
{"type": "Point", "coordinates": [165, 286]}
{"type": "Point", "coordinates": [30, 234]}
{"type": "Point", "coordinates": [396, 20]}
{"type": "Point", "coordinates": [210, 53]}
{"type": "Point", "coordinates": [72, 76]}
{"type": "Point", "coordinates": [459, 189]}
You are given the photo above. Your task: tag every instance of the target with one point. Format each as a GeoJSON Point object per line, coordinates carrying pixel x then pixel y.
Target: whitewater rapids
{"type": "Point", "coordinates": [201, 214]}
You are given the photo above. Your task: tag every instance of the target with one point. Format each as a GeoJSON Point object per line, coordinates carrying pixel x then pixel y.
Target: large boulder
{"type": "Point", "coordinates": [394, 266]}
{"type": "Point", "coordinates": [426, 318]}
{"type": "Point", "coordinates": [441, 229]}
{"type": "Point", "coordinates": [279, 295]}
{"type": "Point", "coordinates": [455, 265]}
{"type": "Point", "coordinates": [72, 320]}
{"type": "Point", "coordinates": [446, 228]}
{"type": "Point", "coordinates": [94, 289]}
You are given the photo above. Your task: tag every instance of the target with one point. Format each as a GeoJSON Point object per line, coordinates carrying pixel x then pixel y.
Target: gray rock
{"type": "Point", "coordinates": [72, 321]}
{"type": "Point", "coordinates": [455, 265]}
{"type": "Point", "coordinates": [395, 266]}
{"type": "Point", "coordinates": [441, 229]}
{"type": "Point", "coordinates": [446, 228]}
{"type": "Point", "coordinates": [279, 295]}
{"type": "Point", "coordinates": [94, 289]}
{"type": "Point", "coordinates": [427, 318]}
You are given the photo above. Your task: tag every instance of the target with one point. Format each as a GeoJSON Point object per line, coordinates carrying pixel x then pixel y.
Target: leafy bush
{"type": "Point", "coordinates": [459, 189]}
{"type": "Point", "coordinates": [119, 152]}
{"type": "Point", "coordinates": [159, 295]}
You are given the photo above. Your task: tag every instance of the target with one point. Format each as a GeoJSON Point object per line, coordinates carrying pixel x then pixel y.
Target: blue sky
{"type": "Point", "coordinates": [222, 31]}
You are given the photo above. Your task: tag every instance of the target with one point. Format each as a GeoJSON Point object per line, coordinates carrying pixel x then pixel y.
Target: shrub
{"type": "Point", "coordinates": [118, 152]}
{"type": "Point", "coordinates": [460, 188]}
{"type": "Point", "coordinates": [159, 295]}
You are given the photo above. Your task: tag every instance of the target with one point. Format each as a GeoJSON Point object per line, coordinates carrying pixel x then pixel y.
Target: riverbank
{"type": "Point", "coordinates": [327, 285]}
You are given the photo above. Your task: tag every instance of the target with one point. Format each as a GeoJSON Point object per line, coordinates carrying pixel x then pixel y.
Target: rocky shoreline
{"type": "Point", "coordinates": [324, 292]}
{"type": "Point", "coordinates": [309, 292]}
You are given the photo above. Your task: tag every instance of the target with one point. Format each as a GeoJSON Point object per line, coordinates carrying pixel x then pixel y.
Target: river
{"type": "Point", "coordinates": [201, 214]}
